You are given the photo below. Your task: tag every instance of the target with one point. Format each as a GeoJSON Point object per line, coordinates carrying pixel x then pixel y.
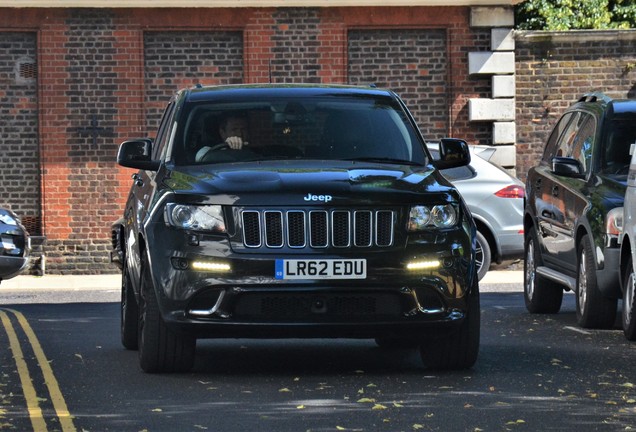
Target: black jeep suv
{"type": "Point", "coordinates": [331, 220]}
{"type": "Point", "coordinates": [574, 210]}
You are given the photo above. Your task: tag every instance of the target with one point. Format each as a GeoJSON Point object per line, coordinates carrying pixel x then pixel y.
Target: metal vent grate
{"type": "Point", "coordinates": [317, 228]}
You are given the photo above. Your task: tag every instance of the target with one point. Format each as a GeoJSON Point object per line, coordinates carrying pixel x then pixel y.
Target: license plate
{"type": "Point", "coordinates": [321, 269]}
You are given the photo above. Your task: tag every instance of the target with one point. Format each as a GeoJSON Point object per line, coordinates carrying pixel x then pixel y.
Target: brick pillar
{"type": "Point", "coordinates": [333, 52]}
{"type": "Point", "coordinates": [130, 97]}
{"type": "Point", "coordinates": [258, 46]}
{"type": "Point", "coordinates": [54, 121]}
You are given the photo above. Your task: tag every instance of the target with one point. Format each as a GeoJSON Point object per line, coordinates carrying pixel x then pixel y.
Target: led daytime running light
{"type": "Point", "coordinates": [210, 266]}
{"type": "Point", "coordinates": [423, 265]}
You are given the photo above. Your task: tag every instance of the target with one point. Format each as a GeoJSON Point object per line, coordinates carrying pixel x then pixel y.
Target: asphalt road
{"type": "Point", "coordinates": [534, 373]}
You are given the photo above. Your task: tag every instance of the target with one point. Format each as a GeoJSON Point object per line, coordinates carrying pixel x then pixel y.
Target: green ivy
{"type": "Point", "coordinates": [575, 14]}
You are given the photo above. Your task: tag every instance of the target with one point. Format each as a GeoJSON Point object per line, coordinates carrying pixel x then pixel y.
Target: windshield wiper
{"type": "Point", "coordinates": [385, 160]}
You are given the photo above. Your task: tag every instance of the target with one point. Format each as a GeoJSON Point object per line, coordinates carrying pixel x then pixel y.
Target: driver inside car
{"type": "Point", "coordinates": [234, 133]}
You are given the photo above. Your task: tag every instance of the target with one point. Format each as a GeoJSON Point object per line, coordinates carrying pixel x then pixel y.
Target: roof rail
{"type": "Point", "coordinates": [595, 96]}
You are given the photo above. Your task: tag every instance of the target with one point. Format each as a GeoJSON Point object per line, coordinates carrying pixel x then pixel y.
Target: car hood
{"type": "Point", "coordinates": [309, 182]}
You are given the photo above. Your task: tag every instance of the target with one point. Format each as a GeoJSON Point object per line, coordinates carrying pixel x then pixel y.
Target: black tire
{"type": "Point", "coordinates": [593, 310]}
{"type": "Point", "coordinates": [129, 312]}
{"type": "Point", "coordinates": [629, 302]}
{"type": "Point", "coordinates": [160, 348]}
{"type": "Point", "coordinates": [483, 255]}
{"type": "Point", "coordinates": [541, 295]}
{"type": "Point", "coordinates": [457, 350]}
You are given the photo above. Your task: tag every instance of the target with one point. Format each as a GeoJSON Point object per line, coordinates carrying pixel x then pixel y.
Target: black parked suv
{"type": "Point", "coordinates": [330, 220]}
{"type": "Point", "coordinates": [574, 210]}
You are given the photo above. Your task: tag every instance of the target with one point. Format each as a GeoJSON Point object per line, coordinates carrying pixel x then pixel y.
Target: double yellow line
{"type": "Point", "coordinates": [32, 401]}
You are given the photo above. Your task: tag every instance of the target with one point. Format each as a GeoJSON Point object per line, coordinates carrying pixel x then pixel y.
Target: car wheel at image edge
{"type": "Point", "coordinates": [629, 323]}
{"type": "Point", "coordinates": [160, 348]}
{"type": "Point", "coordinates": [593, 310]}
{"type": "Point", "coordinates": [541, 295]}
{"type": "Point", "coordinates": [458, 350]}
{"type": "Point", "coordinates": [483, 256]}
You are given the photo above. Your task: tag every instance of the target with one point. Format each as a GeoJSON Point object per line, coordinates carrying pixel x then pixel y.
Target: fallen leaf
{"type": "Point", "coordinates": [398, 405]}
{"type": "Point", "coordinates": [378, 407]}
{"type": "Point", "coordinates": [468, 405]}
{"type": "Point", "coordinates": [300, 407]}
{"type": "Point", "coordinates": [284, 390]}
{"type": "Point", "coordinates": [417, 426]}
{"type": "Point", "coordinates": [515, 422]}
{"type": "Point", "coordinates": [157, 410]}
{"type": "Point", "coordinates": [628, 385]}
{"type": "Point", "coordinates": [366, 400]}
{"type": "Point", "coordinates": [340, 428]}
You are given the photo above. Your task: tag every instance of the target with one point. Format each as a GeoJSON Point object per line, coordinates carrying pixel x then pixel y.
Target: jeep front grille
{"type": "Point", "coordinates": [317, 228]}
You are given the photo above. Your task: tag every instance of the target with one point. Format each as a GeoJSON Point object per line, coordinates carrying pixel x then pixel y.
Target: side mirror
{"type": "Point", "coordinates": [452, 153]}
{"type": "Point", "coordinates": [137, 154]}
{"type": "Point", "coordinates": [567, 167]}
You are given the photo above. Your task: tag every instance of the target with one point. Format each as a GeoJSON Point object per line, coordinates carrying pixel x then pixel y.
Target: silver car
{"type": "Point", "coordinates": [495, 199]}
{"type": "Point", "coordinates": [628, 250]}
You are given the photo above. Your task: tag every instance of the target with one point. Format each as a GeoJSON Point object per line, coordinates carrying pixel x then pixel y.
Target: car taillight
{"type": "Point", "coordinates": [511, 192]}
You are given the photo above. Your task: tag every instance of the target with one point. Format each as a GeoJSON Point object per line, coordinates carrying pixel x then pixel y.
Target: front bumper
{"type": "Point", "coordinates": [239, 296]}
{"type": "Point", "coordinates": [12, 266]}
{"type": "Point", "coordinates": [511, 244]}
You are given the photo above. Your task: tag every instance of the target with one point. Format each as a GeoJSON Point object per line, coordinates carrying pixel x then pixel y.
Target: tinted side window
{"type": "Point", "coordinates": [551, 148]}
{"type": "Point", "coordinates": [617, 144]}
{"type": "Point", "coordinates": [584, 141]}
{"type": "Point", "coordinates": [159, 148]}
{"type": "Point", "coordinates": [565, 144]}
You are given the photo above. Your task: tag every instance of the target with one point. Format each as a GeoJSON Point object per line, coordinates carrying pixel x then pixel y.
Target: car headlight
{"type": "Point", "coordinates": [438, 216]}
{"type": "Point", "coordinates": [196, 217]}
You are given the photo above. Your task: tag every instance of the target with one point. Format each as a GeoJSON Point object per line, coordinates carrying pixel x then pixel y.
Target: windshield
{"type": "Point", "coordinates": [327, 128]}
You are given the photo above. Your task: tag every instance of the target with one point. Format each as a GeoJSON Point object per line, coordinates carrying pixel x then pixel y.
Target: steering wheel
{"type": "Point", "coordinates": [222, 146]}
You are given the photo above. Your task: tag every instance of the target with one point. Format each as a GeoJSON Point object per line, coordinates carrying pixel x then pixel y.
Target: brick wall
{"type": "Point", "coordinates": [414, 63]}
{"type": "Point", "coordinates": [554, 69]}
{"type": "Point", "coordinates": [105, 76]}
{"type": "Point", "coordinates": [175, 60]}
